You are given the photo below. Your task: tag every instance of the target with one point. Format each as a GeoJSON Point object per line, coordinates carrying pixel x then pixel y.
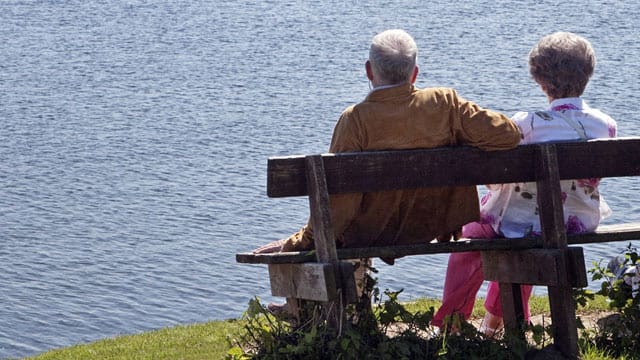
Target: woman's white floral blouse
{"type": "Point", "coordinates": [512, 209]}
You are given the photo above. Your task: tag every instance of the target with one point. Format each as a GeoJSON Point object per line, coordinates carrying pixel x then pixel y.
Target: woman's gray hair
{"type": "Point", "coordinates": [562, 63]}
{"type": "Point", "coordinates": [393, 56]}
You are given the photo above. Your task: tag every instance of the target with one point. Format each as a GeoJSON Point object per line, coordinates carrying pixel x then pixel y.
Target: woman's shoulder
{"type": "Point", "coordinates": [524, 120]}
{"type": "Point", "coordinates": [600, 115]}
{"type": "Point", "coordinates": [522, 116]}
{"type": "Point", "coordinates": [535, 114]}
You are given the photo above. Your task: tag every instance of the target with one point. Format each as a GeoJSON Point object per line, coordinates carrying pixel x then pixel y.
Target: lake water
{"type": "Point", "coordinates": [135, 134]}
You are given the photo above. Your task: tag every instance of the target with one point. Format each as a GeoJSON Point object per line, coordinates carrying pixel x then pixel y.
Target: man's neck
{"type": "Point", "coordinates": [386, 86]}
{"type": "Point", "coordinates": [382, 87]}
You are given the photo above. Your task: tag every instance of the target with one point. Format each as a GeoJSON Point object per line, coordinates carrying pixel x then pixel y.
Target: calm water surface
{"type": "Point", "coordinates": [135, 134]}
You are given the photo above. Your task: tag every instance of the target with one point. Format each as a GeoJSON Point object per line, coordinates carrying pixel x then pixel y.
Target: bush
{"type": "Point", "coordinates": [619, 333]}
{"type": "Point", "coordinates": [386, 331]}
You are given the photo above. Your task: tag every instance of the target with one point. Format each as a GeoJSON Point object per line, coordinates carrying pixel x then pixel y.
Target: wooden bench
{"type": "Point", "coordinates": [547, 260]}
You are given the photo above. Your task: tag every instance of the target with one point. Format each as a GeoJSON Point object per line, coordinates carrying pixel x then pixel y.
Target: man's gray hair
{"type": "Point", "coordinates": [393, 56]}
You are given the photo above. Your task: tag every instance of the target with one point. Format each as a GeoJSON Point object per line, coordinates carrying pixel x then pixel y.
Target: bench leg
{"type": "Point", "coordinates": [563, 320]}
{"type": "Point", "coordinates": [353, 274]}
{"type": "Point", "coordinates": [512, 312]}
{"type": "Point", "coordinates": [293, 307]}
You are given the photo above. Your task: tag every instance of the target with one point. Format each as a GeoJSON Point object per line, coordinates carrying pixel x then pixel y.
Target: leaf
{"type": "Point", "coordinates": [235, 353]}
{"type": "Point", "coordinates": [344, 344]}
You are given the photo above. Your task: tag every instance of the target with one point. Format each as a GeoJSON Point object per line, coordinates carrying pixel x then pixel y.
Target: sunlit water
{"type": "Point", "coordinates": [135, 134]}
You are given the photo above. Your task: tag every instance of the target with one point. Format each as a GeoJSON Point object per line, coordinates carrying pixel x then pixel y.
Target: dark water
{"type": "Point", "coordinates": [134, 139]}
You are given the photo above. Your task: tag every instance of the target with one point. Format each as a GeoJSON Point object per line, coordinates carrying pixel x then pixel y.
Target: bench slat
{"type": "Point", "coordinates": [548, 267]}
{"type": "Point", "coordinates": [608, 233]}
{"type": "Point", "coordinates": [391, 251]}
{"type": "Point", "coordinates": [604, 233]}
{"type": "Point", "coordinates": [455, 166]}
{"type": "Point", "coordinates": [599, 158]}
{"type": "Point", "coordinates": [406, 169]}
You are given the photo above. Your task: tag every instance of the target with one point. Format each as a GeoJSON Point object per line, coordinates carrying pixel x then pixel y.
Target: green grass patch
{"type": "Point", "coordinates": [198, 341]}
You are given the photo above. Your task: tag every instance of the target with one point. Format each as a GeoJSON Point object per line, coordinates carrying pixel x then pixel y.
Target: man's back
{"type": "Point", "coordinates": [403, 117]}
{"type": "Point", "coordinates": [396, 115]}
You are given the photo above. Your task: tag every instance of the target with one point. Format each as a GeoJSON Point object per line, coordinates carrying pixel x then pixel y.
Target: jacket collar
{"type": "Point", "coordinates": [383, 93]}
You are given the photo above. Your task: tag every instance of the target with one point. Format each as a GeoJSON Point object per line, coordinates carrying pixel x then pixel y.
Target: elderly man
{"type": "Point", "coordinates": [397, 115]}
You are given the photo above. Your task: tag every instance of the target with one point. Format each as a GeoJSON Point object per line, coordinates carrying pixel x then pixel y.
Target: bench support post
{"type": "Point", "coordinates": [512, 312]}
{"type": "Point", "coordinates": [563, 308]}
{"type": "Point", "coordinates": [323, 234]}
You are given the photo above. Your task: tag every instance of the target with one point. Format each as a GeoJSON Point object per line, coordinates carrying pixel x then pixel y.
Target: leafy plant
{"type": "Point", "coordinates": [619, 333]}
{"type": "Point", "coordinates": [386, 331]}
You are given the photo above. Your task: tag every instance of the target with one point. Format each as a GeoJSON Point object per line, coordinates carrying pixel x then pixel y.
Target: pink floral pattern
{"type": "Point", "coordinates": [565, 107]}
{"type": "Point", "coordinates": [512, 209]}
{"type": "Point", "coordinates": [485, 199]}
{"type": "Point", "coordinates": [593, 182]}
{"type": "Point", "coordinates": [574, 225]}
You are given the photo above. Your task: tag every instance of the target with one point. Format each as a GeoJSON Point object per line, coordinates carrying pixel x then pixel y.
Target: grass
{"type": "Point", "coordinates": [209, 340]}
{"type": "Point", "coordinates": [189, 342]}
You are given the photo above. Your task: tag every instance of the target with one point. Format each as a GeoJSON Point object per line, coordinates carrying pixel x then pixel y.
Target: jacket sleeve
{"type": "Point", "coordinates": [482, 128]}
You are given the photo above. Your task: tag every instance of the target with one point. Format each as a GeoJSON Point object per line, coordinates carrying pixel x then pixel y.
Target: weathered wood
{"type": "Point", "coordinates": [348, 282]}
{"type": "Point", "coordinates": [294, 306]}
{"type": "Point", "coordinates": [512, 312]}
{"type": "Point", "coordinates": [462, 245]}
{"type": "Point", "coordinates": [427, 248]}
{"type": "Point", "coordinates": [323, 234]}
{"type": "Point", "coordinates": [401, 169]}
{"type": "Point", "coordinates": [599, 158]}
{"type": "Point", "coordinates": [604, 233]}
{"type": "Point", "coordinates": [576, 267]}
{"type": "Point", "coordinates": [563, 309]}
{"type": "Point", "coordinates": [320, 218]}
{"type": "Point", "coordinates": [607, 233]}
{"type": "Point", "coordinates": [550, 200]}
{"type": "Point", "coordinates": [309, 281]}
{"type": "Point", "coordinates": [563, 320]}
{"type": "Point", "coordinates": [387, 170]}
{"type": "Point", "coordinates": [548, 267]}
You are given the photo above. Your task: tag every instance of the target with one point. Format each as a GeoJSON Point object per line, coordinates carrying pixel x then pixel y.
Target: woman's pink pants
{"type": "Point", "coordinates": [464, 278]}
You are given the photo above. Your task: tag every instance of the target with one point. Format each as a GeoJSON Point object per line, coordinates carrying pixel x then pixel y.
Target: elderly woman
{"type": "Point", "coordinates": [562, 64]}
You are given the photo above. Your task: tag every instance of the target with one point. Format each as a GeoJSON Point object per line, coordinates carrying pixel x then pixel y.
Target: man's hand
{"type": "Point", "coordinates": [272, 247]}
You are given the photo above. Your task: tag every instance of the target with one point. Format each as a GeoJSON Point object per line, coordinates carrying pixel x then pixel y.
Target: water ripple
{"type": "Point", "coordinates": [136, 133]}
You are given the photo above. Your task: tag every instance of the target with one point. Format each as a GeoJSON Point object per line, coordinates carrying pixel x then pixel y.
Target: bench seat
{"type": "Point", "coordinates": [604, 233]}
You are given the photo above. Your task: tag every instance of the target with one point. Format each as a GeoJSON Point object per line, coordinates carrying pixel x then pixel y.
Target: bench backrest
{"type": "Point", "coordinates": [405, 169]}
{"type": "Point", "coordinates": [546, 260]}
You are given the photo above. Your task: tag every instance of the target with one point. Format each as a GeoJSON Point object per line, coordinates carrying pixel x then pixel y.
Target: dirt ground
{"type": "Point", "coordinates": [589, 319]}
